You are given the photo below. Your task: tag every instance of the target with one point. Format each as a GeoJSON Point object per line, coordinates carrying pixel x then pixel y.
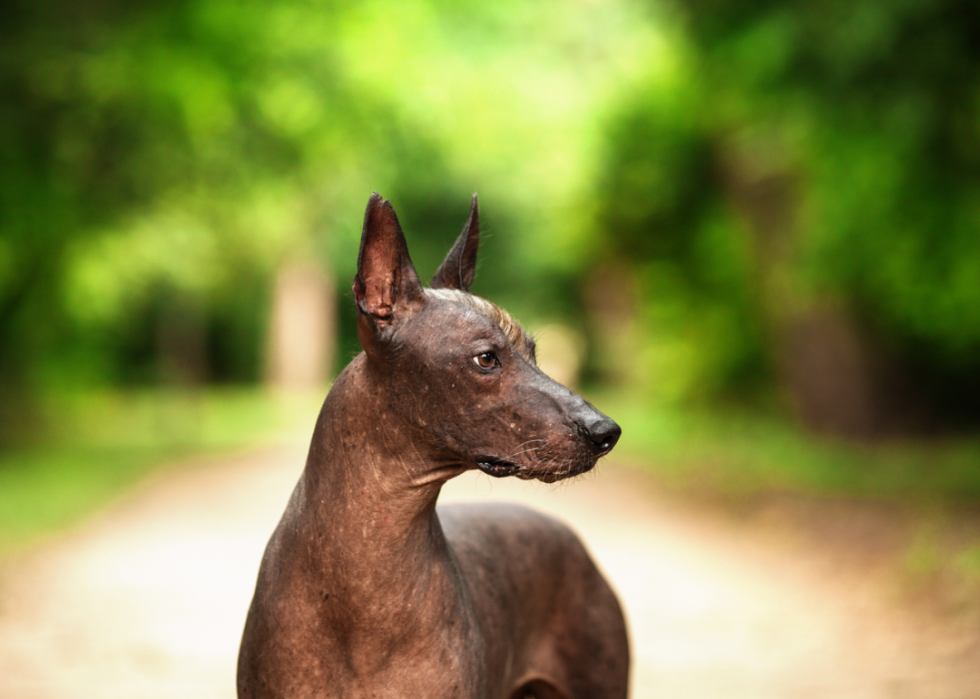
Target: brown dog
{"type": "Point", "coordinates": [366, 589]}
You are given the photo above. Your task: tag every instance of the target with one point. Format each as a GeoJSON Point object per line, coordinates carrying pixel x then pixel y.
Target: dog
{"type": "Point", "coordinates": [366, 589]}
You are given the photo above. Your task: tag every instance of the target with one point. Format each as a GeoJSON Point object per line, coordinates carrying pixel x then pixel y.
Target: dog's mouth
{"type": "Point", "coordinates": [498, 468]}
{"type": "Point", "coordinates": [561, 474]}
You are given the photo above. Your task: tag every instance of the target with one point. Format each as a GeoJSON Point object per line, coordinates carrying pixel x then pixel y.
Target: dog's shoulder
{"type": "Point", "coordinates": [496, 515]}
{"type": "Point", "coordinates": [480, 529]}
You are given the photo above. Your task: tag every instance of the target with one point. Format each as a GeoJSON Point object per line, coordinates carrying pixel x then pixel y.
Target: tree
{"type": "Point", "coordinates": [838, 144]}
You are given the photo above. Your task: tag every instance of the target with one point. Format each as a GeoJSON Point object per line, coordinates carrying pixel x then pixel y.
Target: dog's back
{"type": "Point", "coordinates": [541, 603]}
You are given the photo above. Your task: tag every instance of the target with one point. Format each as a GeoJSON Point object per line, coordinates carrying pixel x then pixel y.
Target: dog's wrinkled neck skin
{"type": "Point", "coordinates": [365, 460]}
{"type": "Point", "coordinates": [375, 496]}
{"type": "Point", "coordinates": [375, 563]}
{"type": "Point", "coordinates": [362, 432]}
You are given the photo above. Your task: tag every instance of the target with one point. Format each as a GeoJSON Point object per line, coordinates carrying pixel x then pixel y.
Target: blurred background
{"type": "Point", "coordinates": [750, 231]}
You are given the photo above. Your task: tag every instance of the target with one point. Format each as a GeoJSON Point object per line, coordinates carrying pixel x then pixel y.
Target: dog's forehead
{"type": "Point", "coordinates": [453, 316]}
{"type": "Point", "coordinates": [511, 329]}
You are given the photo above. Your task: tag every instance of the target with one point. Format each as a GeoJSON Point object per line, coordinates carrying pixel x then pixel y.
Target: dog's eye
{"type": "Point", "coordinates": [487, 360]}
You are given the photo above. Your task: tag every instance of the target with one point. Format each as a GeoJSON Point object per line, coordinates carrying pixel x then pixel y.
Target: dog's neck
{"type": "Point", "coordinates": [363, 453]}
{"type": "Point", "coordinates": [368, 498]}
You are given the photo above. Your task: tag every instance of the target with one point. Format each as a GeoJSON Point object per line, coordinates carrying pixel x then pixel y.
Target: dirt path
{"type": "Point", "coordinates": [148, 600]}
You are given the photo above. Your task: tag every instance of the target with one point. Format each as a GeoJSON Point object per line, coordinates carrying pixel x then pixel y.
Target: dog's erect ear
{"type": "Point", "coordinates": [386, 285]}
{"type": "Point", "coordinates": [457, 270]}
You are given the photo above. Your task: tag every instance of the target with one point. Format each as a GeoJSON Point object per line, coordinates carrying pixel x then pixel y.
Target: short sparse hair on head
{"type": "Point", "coordinates": [515, 334]}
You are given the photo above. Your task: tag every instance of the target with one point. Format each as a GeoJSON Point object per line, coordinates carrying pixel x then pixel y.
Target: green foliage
{"type": "Point", "coordinates": [846, 132]}
{"type": "Point", "coordinates": [167, 158]}
{"type": "Point", "coordinates": [659, 211]}
{"type": "Point", "coordinates": [160, 152]}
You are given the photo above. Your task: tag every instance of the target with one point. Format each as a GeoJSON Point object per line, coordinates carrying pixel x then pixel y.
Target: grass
{"type": "Point", "coordinates": [95, 446]}
{"type": "Point", "coordinates": [732, 453]}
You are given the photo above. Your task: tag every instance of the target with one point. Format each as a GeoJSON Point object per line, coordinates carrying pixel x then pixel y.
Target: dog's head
{"type": "Point", "coordinates": [461, 371]}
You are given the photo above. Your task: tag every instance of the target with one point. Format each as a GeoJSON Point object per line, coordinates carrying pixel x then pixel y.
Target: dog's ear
{"type": "Point", "coordinates": [386, 287]}
{"type": "Point", "coordinates": [459, 267]}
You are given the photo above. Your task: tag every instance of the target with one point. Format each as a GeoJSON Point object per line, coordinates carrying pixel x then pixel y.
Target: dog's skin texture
{"type": "Point", "coordinates": [366, 589]}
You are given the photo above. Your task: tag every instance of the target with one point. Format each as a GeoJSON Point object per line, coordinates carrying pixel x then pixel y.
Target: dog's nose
{"type": "Point", "coordinates": [602, 433]}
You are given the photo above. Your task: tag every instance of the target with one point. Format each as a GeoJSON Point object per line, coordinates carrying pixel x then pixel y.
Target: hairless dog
{"type": "Point", "coordinates": [367, 590]}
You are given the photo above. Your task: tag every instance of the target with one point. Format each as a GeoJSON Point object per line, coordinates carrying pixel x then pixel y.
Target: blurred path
{"type": "Point", "coordinates": [148, 601]}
